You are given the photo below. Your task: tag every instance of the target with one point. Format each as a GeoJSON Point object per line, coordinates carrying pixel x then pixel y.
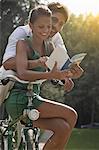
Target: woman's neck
{"type": "Point", "coordinates": [38, 45]}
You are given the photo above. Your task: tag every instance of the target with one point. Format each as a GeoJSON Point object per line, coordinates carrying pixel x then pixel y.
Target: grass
{"type": "Point", "coordinates": [84, 139]}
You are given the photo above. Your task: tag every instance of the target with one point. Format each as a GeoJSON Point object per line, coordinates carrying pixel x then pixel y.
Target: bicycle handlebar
{"type": "Point", "coordinates": [15, 78]}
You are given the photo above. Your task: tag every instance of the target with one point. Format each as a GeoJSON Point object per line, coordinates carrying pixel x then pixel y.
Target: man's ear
{"type": "Point", "coordinates": [31, 25]}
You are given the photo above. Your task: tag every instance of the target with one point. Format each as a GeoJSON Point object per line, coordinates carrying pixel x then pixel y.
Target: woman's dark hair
{"type": "Point", "coordinates": [57, 7]}
{"type": "Point", "coordinates": [38, 11]}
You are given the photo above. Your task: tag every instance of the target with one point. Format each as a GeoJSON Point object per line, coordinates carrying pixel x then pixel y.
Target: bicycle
{"type": "Point", "coordinates": [29, 138]}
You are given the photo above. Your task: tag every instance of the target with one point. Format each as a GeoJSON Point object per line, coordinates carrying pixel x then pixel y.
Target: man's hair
{"type": "Point", "coordinates": [57, 7]}
{"type": "Point", "coordinates": [40, 10]}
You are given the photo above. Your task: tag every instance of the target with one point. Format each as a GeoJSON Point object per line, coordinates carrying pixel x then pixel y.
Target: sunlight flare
{"type": "Point", "coordinates": [81, 7]}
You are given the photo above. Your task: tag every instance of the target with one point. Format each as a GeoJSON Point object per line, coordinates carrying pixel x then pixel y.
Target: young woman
{"type": "Point", "coordinates": [60, 15]}
{"type": "Point", "coordinates": [54, 116]}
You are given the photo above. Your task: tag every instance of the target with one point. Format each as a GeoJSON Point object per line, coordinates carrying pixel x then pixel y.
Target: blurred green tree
{"type": "Point", "coordinates": [12, 14]}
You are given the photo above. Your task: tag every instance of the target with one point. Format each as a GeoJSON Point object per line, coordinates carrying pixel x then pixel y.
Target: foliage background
{"type": "Point", "coordinates": [80, 34]}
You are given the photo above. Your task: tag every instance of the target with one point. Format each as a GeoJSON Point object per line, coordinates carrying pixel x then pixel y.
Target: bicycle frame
{"type": "Point", "coordinates": [9, 132]}
{"type": "Point", "coordinates": [28, 142]}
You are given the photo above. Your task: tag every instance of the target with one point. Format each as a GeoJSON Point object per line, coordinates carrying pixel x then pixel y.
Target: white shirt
{"type": "Point", "coordinates": [20, 33]}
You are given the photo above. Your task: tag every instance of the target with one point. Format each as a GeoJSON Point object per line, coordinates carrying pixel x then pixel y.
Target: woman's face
{"type": "Point", "coordinates": [42, 27]}
{"type": "Point", "coordinates": [58, 20]}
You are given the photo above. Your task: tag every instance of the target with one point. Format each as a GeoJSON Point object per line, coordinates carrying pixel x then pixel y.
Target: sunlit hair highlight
{"type": "Point", "coordinates": [58, 7]}
{"type": "Point", "coordinates": [41, 10]}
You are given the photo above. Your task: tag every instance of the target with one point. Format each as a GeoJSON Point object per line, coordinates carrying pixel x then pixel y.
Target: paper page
{"type": "Point", "coordinates": [78, 58]}
{"type": "Point", "coordinates": [60, 56]}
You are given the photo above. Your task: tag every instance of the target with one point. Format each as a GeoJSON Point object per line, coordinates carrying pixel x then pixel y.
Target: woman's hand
{"type": "Point", "coordinates": [60, 74]}
{"type": "Point", "coordinates": [74, 72]}
{"type": "Point", "coordinates": [68, 85]}
{"type": "Point", "coordinates": [38, 62]}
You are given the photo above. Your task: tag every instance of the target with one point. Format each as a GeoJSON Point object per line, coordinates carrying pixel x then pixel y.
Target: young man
{"type": "Point", "coordinates": [59, 18]}
{"type": "Point", "coordinates": [54, 116]}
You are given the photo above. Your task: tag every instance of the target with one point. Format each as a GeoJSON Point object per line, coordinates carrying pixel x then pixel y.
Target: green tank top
{"type": "Point", "coordinates": [34, 55]}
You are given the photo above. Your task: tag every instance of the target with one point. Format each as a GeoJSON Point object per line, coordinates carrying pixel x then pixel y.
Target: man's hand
{"type": "Point", "coordinates": [76, 70]}
{"type": "Point", "coordinates": [68, 85]}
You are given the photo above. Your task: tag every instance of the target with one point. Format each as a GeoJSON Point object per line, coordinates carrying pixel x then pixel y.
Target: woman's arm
{"type": "Point", "coordinates": [25, 74]}
{"type": "Point", "coordinates": [10, 64]}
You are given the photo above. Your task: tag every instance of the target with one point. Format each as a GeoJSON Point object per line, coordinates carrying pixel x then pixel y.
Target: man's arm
{"type": "Point", "coordinates": [58, 42]}
{"type": "Point", "coordinates": [10, 64]}
{"type": "Point", "coordinates": [19, 33]}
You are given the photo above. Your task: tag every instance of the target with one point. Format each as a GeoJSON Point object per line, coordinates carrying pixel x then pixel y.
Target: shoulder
{"type": "Point", "coordinates": [57, 35]}
{"type": "Point", "coordinates": [26, 43]}
{"type": "Point", "coordinates": [21, 42]}
{"type": "Point", "coordinates": [20, 32]}
{"type": "Point", "coordinates": [22, 47]}
{"type": "Point", "coordinates": [57, 39]}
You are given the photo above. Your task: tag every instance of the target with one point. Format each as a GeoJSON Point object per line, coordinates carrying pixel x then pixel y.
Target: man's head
{"type": "Point", "coordinates": [60, 15]}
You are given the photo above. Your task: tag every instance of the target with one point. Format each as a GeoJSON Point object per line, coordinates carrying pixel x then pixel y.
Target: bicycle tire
{"type": "Point", "coordinates": [25, 143]}
{"type": "Point", "coordinates": [4, 143]}
{"type": "Point", "coordinates": [31, 141]}
{"type": "Point", "coordinates": [1, 143]}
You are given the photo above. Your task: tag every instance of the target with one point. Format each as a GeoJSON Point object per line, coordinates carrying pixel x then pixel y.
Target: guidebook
{"type": "Point", "coordinates": [60, 56]}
